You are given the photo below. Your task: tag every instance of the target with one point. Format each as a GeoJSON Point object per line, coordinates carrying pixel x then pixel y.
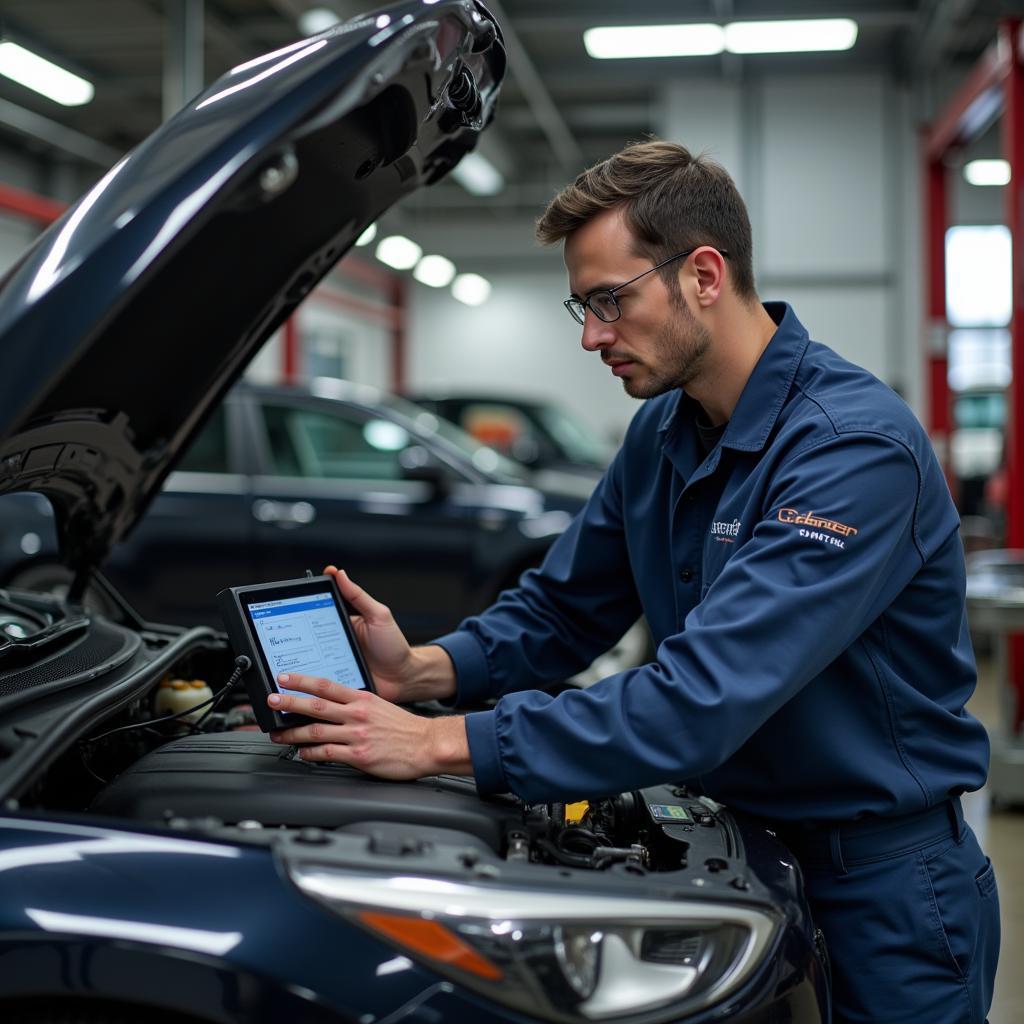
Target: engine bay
{"type": "Point", "coordinates": [182, 753]}
{"type": "Point", "coordinates": [243, 780]}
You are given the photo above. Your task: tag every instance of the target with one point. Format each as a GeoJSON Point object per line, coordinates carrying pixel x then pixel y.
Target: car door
{"type": "Point", "coordinates": [197, 536]}
{"type": "Point", "coordinates": [334, 489]}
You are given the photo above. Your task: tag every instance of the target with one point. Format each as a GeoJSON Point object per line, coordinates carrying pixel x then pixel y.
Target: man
{"type": "Point", "coordinates": [778, 516]}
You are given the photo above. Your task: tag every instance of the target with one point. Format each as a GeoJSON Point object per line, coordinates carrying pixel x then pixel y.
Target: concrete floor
{"type": "Point", "coordinates": [1002, 836]}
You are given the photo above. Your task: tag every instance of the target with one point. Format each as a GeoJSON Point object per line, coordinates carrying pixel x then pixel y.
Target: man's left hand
{"type": "Point", "coordinates": [359, 728]}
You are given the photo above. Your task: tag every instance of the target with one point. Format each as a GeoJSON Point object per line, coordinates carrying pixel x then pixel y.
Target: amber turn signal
{"type": "Point", "coordinates": [431, 939]}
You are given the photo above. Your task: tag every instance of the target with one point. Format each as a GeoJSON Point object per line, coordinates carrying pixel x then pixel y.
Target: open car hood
{"type": "Point", "coordinates": [131, 316]}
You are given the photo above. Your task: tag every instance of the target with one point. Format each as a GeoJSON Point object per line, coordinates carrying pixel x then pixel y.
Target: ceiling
{"type": "Point", "coordinates": [559, 111]}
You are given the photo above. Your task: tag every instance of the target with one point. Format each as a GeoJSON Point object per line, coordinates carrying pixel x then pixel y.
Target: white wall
{"type": "Point", "coordinates": [824, 165]}
{"type": "Point", "coordinates": [521, 342]}
{"type": "Point", "coordinates": [829, 169]}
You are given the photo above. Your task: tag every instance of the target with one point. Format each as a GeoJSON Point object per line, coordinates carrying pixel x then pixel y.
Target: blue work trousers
{"type": "Point", "coordinates": [910, 918]}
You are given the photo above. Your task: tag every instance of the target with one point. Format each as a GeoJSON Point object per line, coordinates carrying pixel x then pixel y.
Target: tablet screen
{"type": "Point", "coordinates": [304, 634]}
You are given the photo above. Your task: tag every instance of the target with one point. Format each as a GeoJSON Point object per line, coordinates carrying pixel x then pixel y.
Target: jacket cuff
{"type": "Point", "coordinates": [481, 731]}
{"type": "Point", "coordinates": [472, 675]}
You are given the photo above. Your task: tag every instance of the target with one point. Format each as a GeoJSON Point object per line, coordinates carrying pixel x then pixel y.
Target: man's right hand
{"type": "Point", "coordinates": [400, 672]}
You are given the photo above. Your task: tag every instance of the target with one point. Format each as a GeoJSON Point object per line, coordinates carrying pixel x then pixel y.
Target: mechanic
{"type": "Point", "coordinates": [779, 517]}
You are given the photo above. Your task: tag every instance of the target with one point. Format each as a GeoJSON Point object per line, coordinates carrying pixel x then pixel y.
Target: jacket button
{"type": "Point", "coordinates": [686, 575]}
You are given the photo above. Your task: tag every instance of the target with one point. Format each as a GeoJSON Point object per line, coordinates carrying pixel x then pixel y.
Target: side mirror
{"type": "Point", "coordinates": [418, 464]}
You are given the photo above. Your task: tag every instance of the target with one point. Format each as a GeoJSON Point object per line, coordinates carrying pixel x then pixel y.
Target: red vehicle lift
{"type": "Point", "coordinates": [995, 88]}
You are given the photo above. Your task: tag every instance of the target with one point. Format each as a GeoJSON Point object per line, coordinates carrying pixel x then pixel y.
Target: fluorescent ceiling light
{"type": "Point", "coordinates": [435, 271]}
{"type": "Point", "coordinates": [472, 289]}
{"type": "Point", "coordinates": [987, 172]}
{"type": "Point", "coordinates": [616, 41]}
{"type": "Point", "coordinates": [790, 36]}
{"type": "Point", "coordinates": [478, 176]}
{"type": "Point", "coordinates": [367, 236]}
{"type": "Point", "coordinates": [48, 79]}
{"type": "Point", "coordinates": [316, 20]}
{"type": "Point", "coordinates": [701, 40]}
{"type": "Point", "coordinates": [399, 252]}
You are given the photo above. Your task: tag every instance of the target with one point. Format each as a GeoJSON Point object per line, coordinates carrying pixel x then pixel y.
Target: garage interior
{"type": "Point", "coordinates": [883, 187]}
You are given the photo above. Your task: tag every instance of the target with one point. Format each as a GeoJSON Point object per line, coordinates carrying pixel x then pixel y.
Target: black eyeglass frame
{"type": "Point", "coordinates": [577, 307]}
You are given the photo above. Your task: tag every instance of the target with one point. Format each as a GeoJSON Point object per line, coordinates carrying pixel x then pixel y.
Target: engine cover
{"type": "Point", "coordinates": [244, 776]}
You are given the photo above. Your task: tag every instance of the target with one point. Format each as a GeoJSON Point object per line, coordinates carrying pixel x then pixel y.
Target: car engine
{"type": "Point", "coordinates": [183, 754]}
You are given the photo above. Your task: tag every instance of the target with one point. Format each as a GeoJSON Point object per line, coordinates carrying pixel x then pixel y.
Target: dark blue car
{"type": "Point", "coordinates": [284, 478]}
{"type": "Point", "coordinates": [170, 869]}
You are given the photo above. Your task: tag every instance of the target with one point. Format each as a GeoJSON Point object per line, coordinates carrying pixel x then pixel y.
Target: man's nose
{"type": "Point", "coordinates": [596, 333]}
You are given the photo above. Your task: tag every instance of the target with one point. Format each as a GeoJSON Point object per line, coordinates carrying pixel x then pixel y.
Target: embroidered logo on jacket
{"type": "Point", "coordinates": [812, 525]}
{"type": "Point", "coordinates": [725, 533]}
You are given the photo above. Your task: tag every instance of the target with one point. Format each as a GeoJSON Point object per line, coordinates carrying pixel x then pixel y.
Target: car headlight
{"type": "Point", "coordinates": [563, 957]}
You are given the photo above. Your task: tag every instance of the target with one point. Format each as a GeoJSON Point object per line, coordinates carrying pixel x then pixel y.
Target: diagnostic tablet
{"type": "Point", "coordinates": [294, 626]}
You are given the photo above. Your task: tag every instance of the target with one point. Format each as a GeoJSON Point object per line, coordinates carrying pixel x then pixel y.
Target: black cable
{"type": "Point", "coordinates": [88, 767]}
{"type": "Point", "coordinates": [242, 664]}
{"type": "Point", "coordinates": [221, 694]}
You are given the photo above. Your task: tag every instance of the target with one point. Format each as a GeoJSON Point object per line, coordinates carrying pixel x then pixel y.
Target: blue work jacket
{"type": "Point", "coordinates": [804, 585]}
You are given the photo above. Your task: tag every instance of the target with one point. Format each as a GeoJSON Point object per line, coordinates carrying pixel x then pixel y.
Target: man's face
{"type": "Point", "coordinates": [656, 345]}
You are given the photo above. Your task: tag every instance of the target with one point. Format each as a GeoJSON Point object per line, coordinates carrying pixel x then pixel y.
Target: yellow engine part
{"type": "Point", "coordinates": [574, 813]}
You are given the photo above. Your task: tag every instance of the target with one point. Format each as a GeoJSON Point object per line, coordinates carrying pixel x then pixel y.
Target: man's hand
{"type": "Point", "coordinates": [357, 727]}
{"type": "Point", "coordinates": [401, 673]}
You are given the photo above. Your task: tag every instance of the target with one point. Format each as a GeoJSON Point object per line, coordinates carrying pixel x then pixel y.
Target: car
{"type": "Point", "coordinates": [282, 478]}
{"type": "Point", "coordinates": [175, 866]}
{"type": "Point", "coordinates": [433, 523]}
{"type": "Point", "coordinates": [543, 435]}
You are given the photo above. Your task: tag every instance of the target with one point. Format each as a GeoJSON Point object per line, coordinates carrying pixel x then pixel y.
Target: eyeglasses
{"type": "Point", "coordinates": [603, 303]}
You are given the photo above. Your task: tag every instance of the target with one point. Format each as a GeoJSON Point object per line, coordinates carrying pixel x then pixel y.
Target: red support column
{"type": "Point", "coordinates": [40, 209]}
{"type": "Point", "coordinates": [937, 365]}
{"type": "Point", "coordinates": [291, 356]}
{"type": "Point", "coordinates": [1013, 149]}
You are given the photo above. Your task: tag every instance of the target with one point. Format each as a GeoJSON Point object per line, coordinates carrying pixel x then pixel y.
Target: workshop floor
{"type": "Point", "coordinates": [1002, 836]}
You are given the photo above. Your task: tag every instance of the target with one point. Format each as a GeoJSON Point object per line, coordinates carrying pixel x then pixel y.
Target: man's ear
{"type": "Point", "coordinates": [709, 270]}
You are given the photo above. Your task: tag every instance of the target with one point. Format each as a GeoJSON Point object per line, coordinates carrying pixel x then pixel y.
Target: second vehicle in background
{"type": "Point", "coordinates": [540, 434]}
{"type": "Point", "coordinates": [281, 479]}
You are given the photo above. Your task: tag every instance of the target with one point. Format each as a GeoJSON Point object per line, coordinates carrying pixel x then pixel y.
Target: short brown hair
{"type": "Point", "coordinates": [672, 200]}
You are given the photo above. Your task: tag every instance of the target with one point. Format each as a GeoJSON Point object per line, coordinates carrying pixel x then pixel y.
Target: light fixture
{"type": "Point", "coordinates": [316, 20]}
{"type": "Point", "coordinates": [399, 252]}
{"type": "Point", "coordinates": [472, 289]}
{"type": "Point", "coordinates": [987, 172]}
{"type": "Point", "coordinates": [436, 271]}
{"type": "Point", "coordinates": [478, 176]}
{"type": "Point", "coordinates": [702, 40]}
{"type": "Point", "coordinates": [796, 36]}
{"type": "Point", "coordinates": [618, 41]}
{"type": "Point", "coordinates": [367, 236]}
{"type": "Point", "coordinates": [43, 76]}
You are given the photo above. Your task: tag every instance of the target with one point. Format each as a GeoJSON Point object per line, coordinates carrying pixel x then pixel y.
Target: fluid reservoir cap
{"type": "Point", "coordinates": [179, 684]}
{"type": "Point", "coordinates": [197, 684]}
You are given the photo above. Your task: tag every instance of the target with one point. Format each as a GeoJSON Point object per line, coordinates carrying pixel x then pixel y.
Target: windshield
{"type": "Point", "coordinates": [485, 459]}
{"type": "Point", "coordinates": [579, 443]}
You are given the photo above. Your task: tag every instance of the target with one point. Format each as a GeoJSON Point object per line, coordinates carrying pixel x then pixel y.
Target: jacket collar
{"type": "Point", "coordinates": [766, 389]}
